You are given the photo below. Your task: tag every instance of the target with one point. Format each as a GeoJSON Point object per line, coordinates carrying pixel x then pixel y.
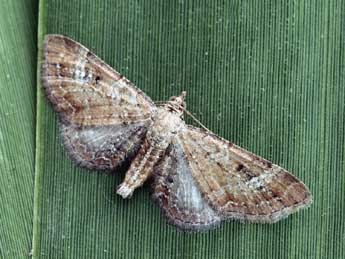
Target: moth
{"type": "Point", "coordinates": [198, 178]}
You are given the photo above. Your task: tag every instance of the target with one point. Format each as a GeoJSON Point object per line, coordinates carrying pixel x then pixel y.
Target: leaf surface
{"type": "Point", "coordinates": [267, 75]}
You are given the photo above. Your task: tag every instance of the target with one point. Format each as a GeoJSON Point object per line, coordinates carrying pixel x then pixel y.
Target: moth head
{"type": "Point", "coordinates": [177, 103]}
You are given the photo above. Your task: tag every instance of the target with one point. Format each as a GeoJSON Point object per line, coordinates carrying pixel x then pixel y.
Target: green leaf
{"type": "Point", "coordinates": [18, 55]}
{"type": "Point", "coordinates": [268, 75]}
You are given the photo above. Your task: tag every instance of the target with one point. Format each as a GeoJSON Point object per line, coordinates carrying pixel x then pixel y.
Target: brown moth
{"type": "Point", "coordinates": [199, 179]}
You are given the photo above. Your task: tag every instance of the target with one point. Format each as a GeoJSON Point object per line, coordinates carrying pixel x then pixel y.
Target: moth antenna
{"type": "Point", "coordinates": [195, 119]}
{"type": "Point", "coordinates": [162, 103]}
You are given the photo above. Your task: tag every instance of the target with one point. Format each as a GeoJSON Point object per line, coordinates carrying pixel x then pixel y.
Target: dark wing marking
{"type": "Point", "coordinates": [85, 91]}
{"type": "Point", "coordinates": [104, 117]}
{"type": "Point", "coordinates": [238, 184]}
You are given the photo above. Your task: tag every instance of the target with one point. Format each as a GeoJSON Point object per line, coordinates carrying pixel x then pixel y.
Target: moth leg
{"type": "Point", "coordinates": [141, 168]}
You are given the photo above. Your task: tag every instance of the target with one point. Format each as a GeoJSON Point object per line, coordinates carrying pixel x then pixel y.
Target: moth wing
{"type": "Point", "coordinates": [238, 184]}
{"type": "Point", "coordinates": [85, 91]}
{"type": "Point", "coordinates": [103, 147]}
{"type": "Point", "coordinates": [177, 194]}
{"type": "Point", "coordinates": [104, 117]}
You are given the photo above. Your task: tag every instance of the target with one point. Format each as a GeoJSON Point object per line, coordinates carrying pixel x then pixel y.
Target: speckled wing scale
{"type": "Point", "coordinates": [199, 179]}
{"type": "Point", "coordinates": [104, 117]}
{"type": "Point", "coordinates": [238, 184]}
{"type": "Point", "coordinates": [177, 193]}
